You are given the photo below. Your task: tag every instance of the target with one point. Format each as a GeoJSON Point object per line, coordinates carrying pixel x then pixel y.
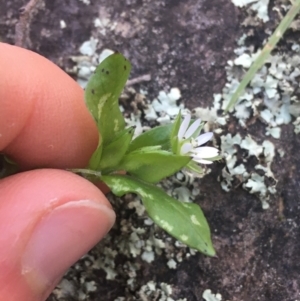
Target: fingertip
{"type": "Point", "coordinates": [48, 220]}
{"type": "Point", "coordinates": [44, 121]}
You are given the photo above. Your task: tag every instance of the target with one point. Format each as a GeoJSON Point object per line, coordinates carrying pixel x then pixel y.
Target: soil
{"type": "Point", "coordinates": [187, 44]}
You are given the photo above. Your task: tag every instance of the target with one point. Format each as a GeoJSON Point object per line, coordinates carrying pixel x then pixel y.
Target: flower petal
{"type": "Point", "coordinates": [205, 152]}
{"type": "Point", "coordinates": [191, 130]}
{"type": "Point", "coordinates": [204, 138]}
{"type": "Point", "coordinates": [185, 148]}
{"type": "Point", "coordinates": [202, 161]}
{"type": "Point", "coordinates": [184, 125]}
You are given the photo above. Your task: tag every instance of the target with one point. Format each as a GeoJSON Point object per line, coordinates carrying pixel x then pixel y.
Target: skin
{"type": "Point", "coordinates": [49, 217]}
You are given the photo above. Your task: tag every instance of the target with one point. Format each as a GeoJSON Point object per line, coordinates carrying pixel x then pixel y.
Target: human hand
{"type": "Point", "coordinates": [49, 218]}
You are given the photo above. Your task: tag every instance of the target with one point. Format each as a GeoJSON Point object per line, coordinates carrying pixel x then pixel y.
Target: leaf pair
{"type": "Point", "coordinates": [152, 165]}
{"type": "Point", "coordinates": [149, 158]}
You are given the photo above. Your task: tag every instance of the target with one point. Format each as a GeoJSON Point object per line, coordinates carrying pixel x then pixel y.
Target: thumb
{"type": "Point", "coordinates": [48, 220]}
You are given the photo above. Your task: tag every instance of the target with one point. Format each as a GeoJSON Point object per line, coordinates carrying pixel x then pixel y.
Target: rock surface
{"type": "Point", "coordinates": [184, 44]}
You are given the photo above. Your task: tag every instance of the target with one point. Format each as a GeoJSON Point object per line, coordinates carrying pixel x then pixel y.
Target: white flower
{"type": "Point", "coordinates": [190, 145]}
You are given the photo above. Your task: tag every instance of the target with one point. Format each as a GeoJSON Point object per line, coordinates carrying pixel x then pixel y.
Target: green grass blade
{"type": "Point", "coordinates": [260, 60]}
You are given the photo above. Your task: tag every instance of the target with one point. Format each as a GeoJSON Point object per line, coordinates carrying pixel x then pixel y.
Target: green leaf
{"type": "Point", "coordinates": [174, 133]}
{"type": "Point", "coordinates": [152, 165]}
{"type": "Point", "coordinates": [7, 166]}
{"type": "Point", "coordinates": [102, 94]}
{"type": "Point", "coordinates": [159, 135]}
{"type": "Point", "coordinates": [184, 221]}
{"type": "Point", "coordinates": [194, 167]}
{"type": "Point", "coordinates": [113, 153]}
{"type": "Point", "coordinates": [96, 156]}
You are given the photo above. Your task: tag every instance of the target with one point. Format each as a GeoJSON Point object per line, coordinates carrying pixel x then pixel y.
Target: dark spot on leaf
{"type": "Point", "coordinates": [206, 244]}
{"type": "Point", "coordinates": [103, 70]}
{"type": "Point", "coordinates": [125, 67]}
{"type": "Point", "coordinates": [93, 91]}
{"type": "Point", "coordinates": [107, 72]}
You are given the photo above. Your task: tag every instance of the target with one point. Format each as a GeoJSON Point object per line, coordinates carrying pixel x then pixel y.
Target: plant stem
{"type": "Point", "coordinates": [260, 60]}
{"type": "Point", "coordinates": [87, 172]}
{"type": "Point", "coordinates": [22, 27]}
{"type": "Point", "coordinates": [137, 80]}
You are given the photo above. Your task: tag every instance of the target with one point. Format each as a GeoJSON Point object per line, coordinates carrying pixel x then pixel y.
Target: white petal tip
{"type": "Point", "coordinates": [183, 127]}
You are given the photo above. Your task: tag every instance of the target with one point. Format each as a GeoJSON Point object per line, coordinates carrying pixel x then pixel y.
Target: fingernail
{"type": "Point", "coordinates": [60, 239]}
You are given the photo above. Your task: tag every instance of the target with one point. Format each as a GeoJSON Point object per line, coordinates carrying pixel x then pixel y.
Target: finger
{"type": "Point", "coordinates": [43, 118]}
{"type": "Point", "coordinates": [48, 220]}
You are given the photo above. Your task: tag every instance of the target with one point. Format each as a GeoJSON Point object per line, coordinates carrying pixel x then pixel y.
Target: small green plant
{"type": "Point", "coordinates": [130, 165]}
